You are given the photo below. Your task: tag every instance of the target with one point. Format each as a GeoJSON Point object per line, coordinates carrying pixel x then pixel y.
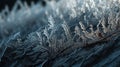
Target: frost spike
{"type": "Point", "coordinates": [18, 3]}
{"type": "Point", "coordinates": [7, 9]}
{"type": "Point", "coordinates": [32, 3]}
{"type": "Point", "coordinates": [77, 30]}
{"type": "Point", "coordinates": [67, 30]}
{"type": "Point", "coordinates": [82, 26]}
{"type": "Point", "coordinates": [91, 28]}
{"type": "Point", "coordinates": [26, 5]}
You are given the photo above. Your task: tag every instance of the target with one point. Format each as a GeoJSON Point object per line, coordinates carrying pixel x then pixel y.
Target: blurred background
{"type": "Point", "coordinates": [11, 3]}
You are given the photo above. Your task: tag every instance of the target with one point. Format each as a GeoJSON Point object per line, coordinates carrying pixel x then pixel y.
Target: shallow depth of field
{"type": "Point", "coordinates": [60, 33]}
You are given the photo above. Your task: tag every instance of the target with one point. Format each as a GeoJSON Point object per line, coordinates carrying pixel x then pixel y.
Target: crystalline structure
{"type": "Point", "coordinates": [61, 33]}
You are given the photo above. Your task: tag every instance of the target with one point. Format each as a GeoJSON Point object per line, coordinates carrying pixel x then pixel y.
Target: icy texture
{"type": "Point", "coordinates": [67, 33]}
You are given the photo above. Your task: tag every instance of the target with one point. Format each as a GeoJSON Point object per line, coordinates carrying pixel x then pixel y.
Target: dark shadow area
{"type": "Point", "coordinates": [10, 3]}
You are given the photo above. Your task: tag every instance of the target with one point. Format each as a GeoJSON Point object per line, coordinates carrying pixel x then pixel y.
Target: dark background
{"type": "Point", "coordinates": [11, 3]}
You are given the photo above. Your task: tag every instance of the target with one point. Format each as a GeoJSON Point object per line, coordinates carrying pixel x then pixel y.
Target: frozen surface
{"type": "Point", "coordinates": [66, 33]}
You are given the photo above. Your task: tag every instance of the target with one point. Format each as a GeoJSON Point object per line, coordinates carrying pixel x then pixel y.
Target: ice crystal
{"type": "Point", "coordinates": [58, 28]}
